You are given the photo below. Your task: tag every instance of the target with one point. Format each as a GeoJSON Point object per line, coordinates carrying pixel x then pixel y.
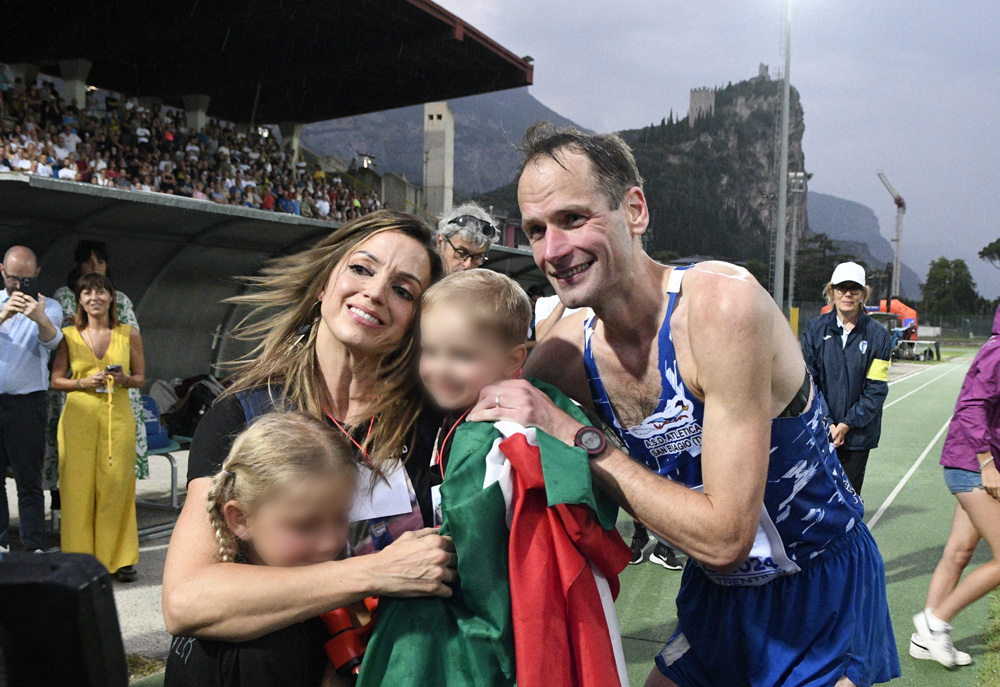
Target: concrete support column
{"type": "Point", "coordinates": [290, 132]}
{"type": "Point", "coordinates": [74, 74]}
{"type": "Point", "coordinates": [28, 73]}
{"type": "Point", "coordinates": [196, 105]}
{"type": "Point", "coordinates": [439, 158]}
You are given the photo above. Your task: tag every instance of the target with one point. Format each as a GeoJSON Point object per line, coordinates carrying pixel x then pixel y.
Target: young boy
{"type": "Point", "coordinates": [473, 333]}
{"type": "Point", "coordinates": [518, 537]}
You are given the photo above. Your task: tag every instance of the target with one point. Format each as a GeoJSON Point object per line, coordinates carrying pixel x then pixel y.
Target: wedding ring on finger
{"type": "Point", "coordinates": [498, 401]}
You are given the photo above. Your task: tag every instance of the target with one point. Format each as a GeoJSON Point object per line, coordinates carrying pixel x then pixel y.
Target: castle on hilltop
{"type": "Point", "coordinates": [703, 99]}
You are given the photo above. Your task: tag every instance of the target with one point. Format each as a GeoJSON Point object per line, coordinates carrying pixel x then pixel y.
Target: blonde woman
{"type": "Point", "coordinates": [335, 329]}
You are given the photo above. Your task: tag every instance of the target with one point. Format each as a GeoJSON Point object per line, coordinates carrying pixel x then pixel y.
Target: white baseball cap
{"type": "Point", "coordinates": [848, 271]}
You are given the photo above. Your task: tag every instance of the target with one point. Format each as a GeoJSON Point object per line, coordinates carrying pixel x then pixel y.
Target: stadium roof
{"type": "Point", "coordinates": [314, 59]}
{"type": "Point", "coordinates": [174, 257]}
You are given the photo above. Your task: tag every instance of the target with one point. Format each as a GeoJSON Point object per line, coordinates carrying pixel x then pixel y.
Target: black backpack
{"type": "Point", "coordinates": [185, 416]}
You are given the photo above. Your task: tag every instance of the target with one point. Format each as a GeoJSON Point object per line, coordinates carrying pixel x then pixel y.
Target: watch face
{"type": "Point", "coordinates": [591, 440]}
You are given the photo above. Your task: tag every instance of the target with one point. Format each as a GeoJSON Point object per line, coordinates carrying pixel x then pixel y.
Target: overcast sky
{"type": "Point", "coordinates": [911, 87]}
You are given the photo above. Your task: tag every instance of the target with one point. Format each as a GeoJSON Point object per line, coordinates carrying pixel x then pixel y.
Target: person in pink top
{"type": "Point", "coordinates": [970, 470]}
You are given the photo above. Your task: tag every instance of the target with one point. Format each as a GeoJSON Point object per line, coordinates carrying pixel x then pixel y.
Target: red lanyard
{"type": "Point", "coordinates": [444, 443]}
{"type": "Point", "coordinates": [349, 436]}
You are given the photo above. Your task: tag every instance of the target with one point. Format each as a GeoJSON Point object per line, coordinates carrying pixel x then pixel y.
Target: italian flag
{"type": "Point", "coordinates": [538, 564]}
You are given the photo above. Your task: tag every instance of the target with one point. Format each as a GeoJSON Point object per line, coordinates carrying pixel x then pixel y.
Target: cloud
{"type": "Point", "coordinates": [909, 87]}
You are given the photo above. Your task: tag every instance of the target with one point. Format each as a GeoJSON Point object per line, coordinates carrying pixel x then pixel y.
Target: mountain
{"type": "Point", "coordinates": [855, 229]}
{"type": "Point", "coordinates": [711, 183]}
{"type": "Point", "coordinates": [488, 128]}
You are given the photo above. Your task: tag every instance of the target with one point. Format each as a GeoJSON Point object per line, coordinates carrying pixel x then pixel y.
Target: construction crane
{"type": "Point", "coordinates": [898, 239]}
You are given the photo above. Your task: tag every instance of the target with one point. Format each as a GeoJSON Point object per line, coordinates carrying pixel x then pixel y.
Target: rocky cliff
{"type": "Point", "coordinates": [855, 229]}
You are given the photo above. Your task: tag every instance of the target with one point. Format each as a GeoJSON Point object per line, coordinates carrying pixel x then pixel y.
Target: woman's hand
{"type": "Point", "coordinates": [838, 433]}
{"type": "Point", "coordinates": [121, 379]}
{"type": "Point", "coordinates": [990, 475]}
{"type": "Point", "coordinates": [94, 381]}
{"type": "Point", "coordinates": [420, 563]}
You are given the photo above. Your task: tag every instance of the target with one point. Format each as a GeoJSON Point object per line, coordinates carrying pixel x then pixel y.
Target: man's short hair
{"type": "Point", "coordinates": [615, 171]}
{"type": "Point", "coordinates": [471, 222]}
{"type": "Point", "coordinates": [496, 300]}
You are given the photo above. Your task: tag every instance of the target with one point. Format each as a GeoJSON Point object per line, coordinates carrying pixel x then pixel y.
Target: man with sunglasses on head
{"type": "Point", "coordinates": [465, 236]}
{"type": "Point", "coordinates": [848, 356]}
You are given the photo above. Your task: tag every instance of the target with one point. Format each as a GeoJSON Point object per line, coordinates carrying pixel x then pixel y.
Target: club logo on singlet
{"type": "Point", "coordinates": [674, 429]}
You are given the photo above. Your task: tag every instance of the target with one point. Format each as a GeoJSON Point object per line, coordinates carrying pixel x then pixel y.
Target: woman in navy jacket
{"type": "Point", "coordinates": [848, 356]}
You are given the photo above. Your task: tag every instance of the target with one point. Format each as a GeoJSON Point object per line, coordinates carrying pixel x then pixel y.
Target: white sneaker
{"type": "Point", "coordinates": [918, 649]}
{"type": "Point", "coordinates": [937, 643]}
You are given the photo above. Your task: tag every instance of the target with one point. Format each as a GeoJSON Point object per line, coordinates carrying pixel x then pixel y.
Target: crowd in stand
{"type": "Point", "coordinates": [123, 144]}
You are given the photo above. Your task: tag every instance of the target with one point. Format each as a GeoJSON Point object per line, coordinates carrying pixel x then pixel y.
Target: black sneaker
{"type": "Point", "coordinates": [665, 556]}
{"type": "Point", "coordinates": [639, 545]}
{"type": "Point", "coordinates": [127, 574]}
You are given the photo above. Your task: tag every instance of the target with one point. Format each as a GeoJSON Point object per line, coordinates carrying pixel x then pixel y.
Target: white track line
{"type": "Point", "coordinates": [912, 375]}
{"type": "Point", "coordinates": [910, 393]}
{"type": "Point", "coordinates": [906, 478]}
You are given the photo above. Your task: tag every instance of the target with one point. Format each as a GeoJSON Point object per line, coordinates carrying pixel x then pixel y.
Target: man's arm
{"type": "Point", "coordinates": [731, 322]}
{"type": "Point", "coordinates": [876, 387]}
{"type": "Point", "coordinates": [558, 360]}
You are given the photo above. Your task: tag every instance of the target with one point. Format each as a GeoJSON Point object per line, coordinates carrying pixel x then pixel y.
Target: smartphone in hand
{"type": "Point", "coordinates": [28, 286]}
{"type": "Point", "coordinates": [113, 368]}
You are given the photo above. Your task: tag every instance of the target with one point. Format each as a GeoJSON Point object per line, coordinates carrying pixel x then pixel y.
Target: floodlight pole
{"type": "Point", "coordinates": [781, 225]}
{"type": "Point", "coordinates": [798, 181]}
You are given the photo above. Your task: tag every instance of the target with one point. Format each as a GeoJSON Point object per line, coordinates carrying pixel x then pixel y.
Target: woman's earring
{"type": "Point", "coordinates": [306, 329]}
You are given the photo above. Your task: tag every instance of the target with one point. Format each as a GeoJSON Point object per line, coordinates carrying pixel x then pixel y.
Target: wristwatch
{"type": "Point", "coordinates": [591, 440]}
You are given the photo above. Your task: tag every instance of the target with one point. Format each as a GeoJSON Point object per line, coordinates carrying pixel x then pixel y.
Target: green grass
{"type": "Point", "coordinates": [989, 670]}
{"type": "Point", "coordinates": [140, 667]}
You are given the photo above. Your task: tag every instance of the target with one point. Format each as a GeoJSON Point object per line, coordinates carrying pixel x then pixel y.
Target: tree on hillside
{"type": "Point", "coordinates": [817, 257]}
{"type": "Point", "coordinates": [991, 254]}
{"type": "Point", "coordinates": [949, 289]}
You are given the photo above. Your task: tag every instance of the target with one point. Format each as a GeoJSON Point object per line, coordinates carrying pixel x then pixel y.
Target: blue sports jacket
{"type": "Point", "coordinates": [854, 378]}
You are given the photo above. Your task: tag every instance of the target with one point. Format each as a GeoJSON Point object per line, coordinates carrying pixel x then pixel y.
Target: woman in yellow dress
{"type": "Point", "coordinates": [98, 361]}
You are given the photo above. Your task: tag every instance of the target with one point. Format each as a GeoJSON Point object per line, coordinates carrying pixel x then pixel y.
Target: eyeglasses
{"type": "Point", "coordinates": [488, 230]}
{"type": "Point", "coordinates": [462, 255]}
{"type": "Point", "coordinates": [846, 287]}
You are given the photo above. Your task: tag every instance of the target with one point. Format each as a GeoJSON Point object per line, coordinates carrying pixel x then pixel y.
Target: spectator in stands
{"type": "Point", "coordinates": [465, 236]}
{"type": "Point", "coordinates": [848, 356]}
{"type": "Point", "coordinates": [92, 257]}
{"type": "Point", "coordinates": [98, 361]}
{"type": "Point", "coordinates": [29, 331]}
{"type": "Point", "coordinates": [336, 313]}
{"type": "Point", "coordinates": [130, 146]}
{"type": "Point", "coordinates": [68, 170]}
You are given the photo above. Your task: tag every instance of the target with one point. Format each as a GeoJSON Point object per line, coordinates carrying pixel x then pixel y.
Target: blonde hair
{"type": "Point", "coordinates": [273, 451]}
{"type": "Point", "coordinates": [828, 294]}
{"type": "Point", "coordinates": [283, 301]}
{"type": "Point", "coordinates": [498, 300]}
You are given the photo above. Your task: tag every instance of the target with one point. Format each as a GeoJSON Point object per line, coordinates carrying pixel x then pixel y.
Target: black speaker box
{"type": "Point", "coordinates": [58, 623]}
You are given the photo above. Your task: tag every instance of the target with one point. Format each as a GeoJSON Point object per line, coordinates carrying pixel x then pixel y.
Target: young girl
{"type": "Point", "coordinates": [283, 498]}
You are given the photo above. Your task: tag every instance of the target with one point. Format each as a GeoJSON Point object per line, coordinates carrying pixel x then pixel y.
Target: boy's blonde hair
{"type": "Point", "coordinates": [496, 298]}
{"type": "Point", "coordinates": [273, 451]}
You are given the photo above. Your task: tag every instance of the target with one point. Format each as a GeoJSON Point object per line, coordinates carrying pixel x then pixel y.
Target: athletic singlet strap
{"type": "Point", "coordinates": [674, 280]}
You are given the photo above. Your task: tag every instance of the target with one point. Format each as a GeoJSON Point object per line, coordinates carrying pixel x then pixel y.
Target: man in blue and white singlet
{"type": "Point", "coordinates": [725, 453]}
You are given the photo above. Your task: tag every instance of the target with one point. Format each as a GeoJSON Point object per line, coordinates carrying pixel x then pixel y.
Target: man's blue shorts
{"type": "Point", "coordinates": [805, 630]}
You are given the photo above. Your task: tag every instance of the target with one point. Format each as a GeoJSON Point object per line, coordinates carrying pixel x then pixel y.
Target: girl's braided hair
{"type": "Point", "coordinates": [274, 450]}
